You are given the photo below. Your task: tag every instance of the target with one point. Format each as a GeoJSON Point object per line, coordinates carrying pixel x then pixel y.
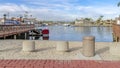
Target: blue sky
{"type": "Point", "coordinates": [61, 10]}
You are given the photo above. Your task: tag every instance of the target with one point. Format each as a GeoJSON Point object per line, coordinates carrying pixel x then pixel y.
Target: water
{"type": "Point", "coordinates": [63, 33]}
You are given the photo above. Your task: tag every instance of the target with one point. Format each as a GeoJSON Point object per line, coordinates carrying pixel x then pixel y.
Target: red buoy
{"type": "Point", "coordinates": [45, 31]}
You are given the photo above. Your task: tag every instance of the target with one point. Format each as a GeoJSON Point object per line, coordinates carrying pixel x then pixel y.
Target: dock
{"type": "Point", "coordinates": [14, 30]}
{"type": "Point", "coordinates": [116, 32]}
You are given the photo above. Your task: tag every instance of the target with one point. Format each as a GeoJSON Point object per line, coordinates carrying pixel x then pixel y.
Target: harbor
{"type": "Point", "coordinates": [27, 41]}
{"type": "Point", "coordinates": [60, 34]}
{"type": "Point", "coordinates": [71, 33]}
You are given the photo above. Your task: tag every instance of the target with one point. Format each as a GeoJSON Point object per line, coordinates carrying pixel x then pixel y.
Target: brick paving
{"type": "Point", "coordinates": [58, 64]}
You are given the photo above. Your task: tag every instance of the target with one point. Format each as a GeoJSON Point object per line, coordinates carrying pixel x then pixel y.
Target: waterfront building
{"type": "Point", "coordinates": [1, 21]}
{"type": "Point", "coordinates": [84, 21]}
{"type": "Point", "coordinates": [117, 19]}
{"type": "Point", "coordinates": [79, 21]}
{"type": "Point", "coordinates": [30, 20]}
{"type": "Point", "coordinates": [108, 21]}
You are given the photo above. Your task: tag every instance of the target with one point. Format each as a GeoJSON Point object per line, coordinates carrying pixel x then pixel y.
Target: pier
{"type": "Point", "coordinates": [13, 30]}
{"type": "Point", "coordinates": [116, 32]}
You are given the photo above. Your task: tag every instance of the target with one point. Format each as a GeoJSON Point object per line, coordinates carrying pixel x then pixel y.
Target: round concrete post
{"type": "Point", "coordinates": [15, 37]}
{"type": "Point", "coordinates": [28, 46]}
{"type": "Point", "coordinates": [62, 46]}
{"type": "Point", "coordinates": [89, 46]}
{"type": "Point", "coordinates": [25, 35]}
{"type": "Point", "coordinates": [4, 37]}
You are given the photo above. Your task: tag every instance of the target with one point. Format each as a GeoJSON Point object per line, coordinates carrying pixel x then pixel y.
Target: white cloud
{"type": "Point", "coordinates": [9, 7]}
{"type": "Point", "coordinates": [64, 11]}
{"type": "Point", "coordinates": [95, 11]}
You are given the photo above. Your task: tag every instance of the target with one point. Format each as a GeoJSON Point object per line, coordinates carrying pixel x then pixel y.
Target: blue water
{"type": "Point", "coordinates": [63, 33]}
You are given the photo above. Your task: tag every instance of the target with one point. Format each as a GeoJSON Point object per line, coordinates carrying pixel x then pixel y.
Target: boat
{"type": "Point", "coordinates": [66, 24]}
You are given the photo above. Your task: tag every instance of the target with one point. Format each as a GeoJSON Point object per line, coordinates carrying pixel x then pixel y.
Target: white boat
{"type": "Point", "coordinates": [66, 24]}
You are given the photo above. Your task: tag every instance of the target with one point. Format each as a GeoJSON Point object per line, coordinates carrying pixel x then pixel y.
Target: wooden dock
{"type": "Point", "coordinates": [8, 30]}
{"type": "Point", "coordinates": [116, 32]}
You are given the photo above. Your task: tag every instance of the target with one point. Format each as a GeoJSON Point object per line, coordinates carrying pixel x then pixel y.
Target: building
{"type": "Point", "coordinates": [117, 19]}
{"type": "Point", "coordinates": [83, 21]}
{"type": "Point", "coordinates": [12, 21]}
{"type": "Point", "coordinates": [30, 20]}
{"type": "Point", "coordinates": [108, 21]}
{"type": "Point", "coordinates": [1, 21]}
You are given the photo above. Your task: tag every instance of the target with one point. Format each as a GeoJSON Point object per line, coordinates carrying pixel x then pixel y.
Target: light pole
{"type": "Point", "coordinates": [4, 17]}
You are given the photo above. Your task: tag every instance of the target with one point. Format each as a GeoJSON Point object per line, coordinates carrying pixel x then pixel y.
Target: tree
{"type": "Point", "coordinates": [88, 19]}
{"type": "Point", "coordinates": [4, 15]}
{"type": "Point", "coordinates": [118, 4]}
{"type": "Point", "coordinates": [99, 19]}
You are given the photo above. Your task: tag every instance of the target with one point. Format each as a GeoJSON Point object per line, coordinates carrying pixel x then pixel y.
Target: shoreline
{"type": "Point", "coordinates": [92, 25]}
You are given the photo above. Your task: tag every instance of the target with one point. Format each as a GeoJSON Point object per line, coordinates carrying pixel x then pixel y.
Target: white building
{"type": "Point", "coordinates": [83, 21]}
{"type": "Point", "coordinates": [117, 20]}
{"type": "Point", "coordinates": [1, 21]}
{"type": "Point", "coordinates": [30, 20]}
{"type": "Point", "coordinates": [79, 21]}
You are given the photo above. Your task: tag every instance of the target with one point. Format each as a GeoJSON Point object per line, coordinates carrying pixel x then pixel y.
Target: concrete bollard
{"type": "Point", "coordinates": [15, 37]}
{"type": "Point", "coordinates": [89, 46]}
{"type": "Point", "coordinates": [62, 46]}
{"type": "Point", "coordinates": [28, 46]}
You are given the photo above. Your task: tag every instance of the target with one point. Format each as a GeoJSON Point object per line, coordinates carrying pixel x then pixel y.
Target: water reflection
{"type": "Point", "coordinates": [38, 37]}
{"type": "Point", "coordinates": [102, 34]}
{"type": "Point", "coordinates": [45, 38]}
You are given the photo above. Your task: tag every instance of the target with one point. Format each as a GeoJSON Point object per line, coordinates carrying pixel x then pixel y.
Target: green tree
{"type": "Point", "coordinates": [88, 19]}
{"type": "Point", "coordinates": [99, 20]}
{"type": "Point", "coordinates": [4, 15]}
{"type": "Point", "coordinates": [118, 4]}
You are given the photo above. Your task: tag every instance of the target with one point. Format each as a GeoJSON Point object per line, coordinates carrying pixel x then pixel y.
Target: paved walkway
{"type": "Point", "coordinates": [12, 49]}
{"type": "Point", "coordinates": [58, 64]}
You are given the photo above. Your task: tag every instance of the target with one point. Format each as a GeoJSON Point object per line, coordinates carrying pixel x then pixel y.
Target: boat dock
{"type": "Point", "coordinates": [116, 32]}
{"type": "Point", "coordinates": [14, 30]}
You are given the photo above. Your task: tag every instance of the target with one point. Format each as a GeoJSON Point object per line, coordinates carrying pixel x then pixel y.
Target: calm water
{"type": "Point", "coordinates": [102, 34]}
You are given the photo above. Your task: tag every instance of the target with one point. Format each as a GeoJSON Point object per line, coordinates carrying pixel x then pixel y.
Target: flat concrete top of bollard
{"type": "Point", "coordinates": [28, 41]}
{"type": "Point", "coordinates": [89, 37]}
